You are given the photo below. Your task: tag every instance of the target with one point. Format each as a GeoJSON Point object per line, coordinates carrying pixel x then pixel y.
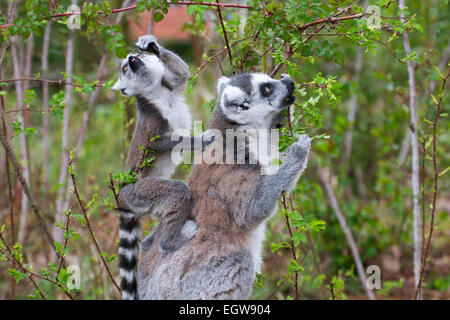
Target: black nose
{"type": "Point", "coordinates": [289, 85]}
{"type": "Point", "coordinates": [135, 63]}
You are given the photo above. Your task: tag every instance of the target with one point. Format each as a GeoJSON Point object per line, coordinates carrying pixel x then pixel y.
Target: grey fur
{"type": "Point", "coordinates": [158, 82]}
{"type": "Point", "coordinates": [229, 202]}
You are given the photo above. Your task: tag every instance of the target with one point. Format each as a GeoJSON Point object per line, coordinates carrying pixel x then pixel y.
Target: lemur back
{"type": "Point", "coordinates": [158, 83]}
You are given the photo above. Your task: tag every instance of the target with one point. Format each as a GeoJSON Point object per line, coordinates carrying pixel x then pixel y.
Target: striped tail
{"type": "Point", "coordinates": [128, 249]}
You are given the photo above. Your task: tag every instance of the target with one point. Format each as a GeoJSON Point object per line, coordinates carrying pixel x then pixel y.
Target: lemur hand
{"type": "Point", "coordinates": [124, 210]}
{"type": "Point", "coordinates": [208, 137]}
{"type": "Point", "coordinates": [148, 43]}
{"type": "Point", "coordinates": [300, 148]}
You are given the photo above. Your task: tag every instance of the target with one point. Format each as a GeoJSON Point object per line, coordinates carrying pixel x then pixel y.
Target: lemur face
{"type": "Point", "coordinates": [140, 74]}
{"type": "Point", "coordinates": [255, 100]}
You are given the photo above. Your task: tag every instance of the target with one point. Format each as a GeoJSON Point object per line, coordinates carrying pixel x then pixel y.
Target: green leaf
{"type": "Point", "coordinates": [121, 52]}
{"type": "Point", "coordinates": [158, 16]}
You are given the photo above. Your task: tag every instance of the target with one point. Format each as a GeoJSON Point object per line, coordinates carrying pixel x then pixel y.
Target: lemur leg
{"type": "Point", "coordinates": [167, 199]}
{"type": "Point", "coordinates": [179, 71]}
{"type": "Point", "coordinates": [271, 187]}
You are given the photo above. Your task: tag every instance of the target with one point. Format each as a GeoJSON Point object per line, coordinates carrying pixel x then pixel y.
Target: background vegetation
{"type": "Point", "coordinates": [356, 96]}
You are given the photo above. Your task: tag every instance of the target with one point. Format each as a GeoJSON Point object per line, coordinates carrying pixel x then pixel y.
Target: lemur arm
{"type": "Point", "coordinates": [165, 143]}
{"type": "Point", "coordinates": [270, 187]}
{"type": "Point", "coordinates": [178, 70]}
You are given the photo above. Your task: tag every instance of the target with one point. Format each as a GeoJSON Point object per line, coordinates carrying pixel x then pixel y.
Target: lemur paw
{"type": "Point", "coordinates": [124, 209]}
{"type": "Point", "coordinates": [148, 43]}
{"type": "Point", "coordinates": [208, 137]}
{"type": "Point", "coordinates": [148, 242]}
{"type": "Point", "coordinates": [300, 148]}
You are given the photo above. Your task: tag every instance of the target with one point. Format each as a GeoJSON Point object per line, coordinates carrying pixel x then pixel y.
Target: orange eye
{"type": "Point", "coordinates": [125, 68]}
{"type": "Point", "coordinates": [267, 89]}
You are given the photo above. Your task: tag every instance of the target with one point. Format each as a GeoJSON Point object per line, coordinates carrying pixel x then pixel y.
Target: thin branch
{"type": "Point", "coordinates": [435, 186]}
{"type": "Point", "coordinates": [348, 234]}
{"type": "Point", "coordinates": [66, 241]}
{"type": "Point", "coordinates": [345, 229]}
{"type": "Point", "coordinates": [36, 209]}
{"type": "Point", "coordinates": [12, 259]}
{"type": "Point", "coordinates": [67, 81]}
{"type": "Point", "coordinates": [294, 255]}
{"type": "Point", "coordinates": [329, 20]}
{"type": "Point", "coordinates": [230, 56]}
{"type": "Point", "coordinates": [215, 56]}
{"type": "Point", "coordinates": [133, 7]}
{"type": "Point", "coordinates": [91, 232]}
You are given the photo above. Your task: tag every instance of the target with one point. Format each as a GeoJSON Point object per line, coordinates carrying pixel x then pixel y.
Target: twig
{"type": "Point", "coordinates": [215, 56]}
{"type": "Point", "coordinates": [294, 255]}
{"type": "Point", "coordinates": [435, 191]}
{"type": "Point", "coordinates": [113, 189]}
{"type": "Point", "coordinates": [11, 258]}
{"type": "Point", "coordinates": [331, 286]}
{"type": "Point", "coordinates": [57, 82]}
{"type": "Point", "coordinates": [8, 175]}
{"type": "Point", "coordinates": [91, 233]}
{"type": "Point", "coordinates": [329, 20]}
{"type": "Point", "coordinates": [133, 7]}
{"type": "Point", "coordinates": [225, 34]}
{"type": "Point", "coordinates": [347, 232]}
{"type": "Point", "coordinates": [66, 241]}
{"type": "Point", "coordinates": [34, 205]}
{"type": "Point", "coordinates": [32, 274]}
{"type": "Point", "coordinates": [309, 238]}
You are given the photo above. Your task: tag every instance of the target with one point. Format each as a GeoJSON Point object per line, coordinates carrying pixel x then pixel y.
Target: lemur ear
{"type": "Point", "coordinates": [221, 83]}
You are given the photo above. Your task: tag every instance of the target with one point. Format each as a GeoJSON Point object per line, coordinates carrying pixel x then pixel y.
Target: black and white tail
{"type": "Point", "coordinates": [128, 249]}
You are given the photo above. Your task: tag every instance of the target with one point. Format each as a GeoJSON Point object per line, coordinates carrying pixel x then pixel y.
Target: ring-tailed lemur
{"type": "Point", "coordinates": [230, 202]}
{"type": "Point", "coordinates": [158, 83]}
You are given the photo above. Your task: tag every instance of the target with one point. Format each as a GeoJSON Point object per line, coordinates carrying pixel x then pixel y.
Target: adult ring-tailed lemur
{"type": "Point", "coordinates": [157, 80]}
{"type": "Point", "coordinates": [230, 202]}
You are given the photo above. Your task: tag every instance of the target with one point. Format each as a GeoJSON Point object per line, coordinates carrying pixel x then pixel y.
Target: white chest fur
{"type": "Point", "coordinates": [255, 245]}
{"type": "Point", "coordinates": [175, 110]}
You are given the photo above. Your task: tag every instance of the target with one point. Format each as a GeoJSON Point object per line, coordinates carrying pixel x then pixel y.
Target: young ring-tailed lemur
{"type": "Point", "coordinates": [230, 202]}
{"type": "Point", "coordinates": [158, 83]}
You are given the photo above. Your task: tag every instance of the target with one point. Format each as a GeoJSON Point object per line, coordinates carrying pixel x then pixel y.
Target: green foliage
{"type": "Point", "coordinates": [372, 187]}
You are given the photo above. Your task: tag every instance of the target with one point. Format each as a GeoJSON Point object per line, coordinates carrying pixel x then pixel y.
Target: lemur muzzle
{"type": "Point", "coordinates": [135, 63]}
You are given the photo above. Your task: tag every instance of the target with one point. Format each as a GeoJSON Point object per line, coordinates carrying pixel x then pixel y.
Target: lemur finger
{"type": "Point", "coordinates": [208, 137]}
{"type": "Point", "coordinates": [300, 148]}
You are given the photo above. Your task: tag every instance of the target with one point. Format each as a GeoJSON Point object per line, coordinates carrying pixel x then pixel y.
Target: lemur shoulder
{"type": "Point", "coordinates": [157, 80]}
{"type": "Point", "coordinates": [230, 202]}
